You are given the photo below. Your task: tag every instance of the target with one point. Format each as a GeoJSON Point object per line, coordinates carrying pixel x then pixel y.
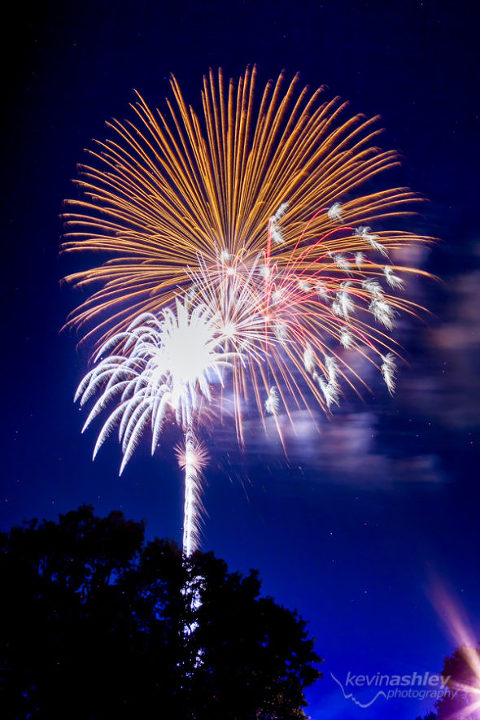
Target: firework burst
{"type": "Point", "coordinates": [167, 367]}
{"type": "Point", "coordinates": [252, 214]}
{"type": "Point", "coordinates": [170, 189]}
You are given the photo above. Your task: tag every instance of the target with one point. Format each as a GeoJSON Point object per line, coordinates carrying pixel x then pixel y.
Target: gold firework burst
{"type": "Point", "coordinates": [172, 188]}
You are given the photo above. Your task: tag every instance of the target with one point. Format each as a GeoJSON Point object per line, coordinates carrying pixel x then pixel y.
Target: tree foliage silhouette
{"type": "Point", "coordinates": [462, 687]}
{"type": "Point", "coordinates": [460, 673]}
{"type": "Point", "coordinates": [93, 626]}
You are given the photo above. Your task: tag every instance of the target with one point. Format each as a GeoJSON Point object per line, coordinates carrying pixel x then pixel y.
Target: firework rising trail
{"type": "Point", "coordinates": [192, 457]}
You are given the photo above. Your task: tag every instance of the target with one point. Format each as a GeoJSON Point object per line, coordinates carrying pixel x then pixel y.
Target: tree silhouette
{"type": "Point", "coordinates": [460, 671]}
{"type": "Point", "coordinates": [93, 626]}
{"type": "Point", "coordinates": [462, 681]}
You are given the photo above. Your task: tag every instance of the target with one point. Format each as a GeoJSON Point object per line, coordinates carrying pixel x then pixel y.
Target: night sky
{"type": "Point", "coordinates": [352, 527]}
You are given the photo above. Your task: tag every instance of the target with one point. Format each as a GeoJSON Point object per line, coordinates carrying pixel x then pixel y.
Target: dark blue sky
{"type": "Point", "coordinates": [350, 529]}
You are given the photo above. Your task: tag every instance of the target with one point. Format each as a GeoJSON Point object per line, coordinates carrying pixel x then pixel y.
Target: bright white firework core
{"type": "Point", "coordinates": [187, 353]}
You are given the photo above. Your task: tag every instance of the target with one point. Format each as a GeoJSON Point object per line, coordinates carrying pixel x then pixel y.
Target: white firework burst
{"type": "Point", "coordinates": [388, 369]}
{"type": "Point", "coordinates": [393, 280]}
{"type": "Point", "coordinates": [166, 365]}
{"type": "Point", "coordinates": [329, 384]}
{"type": "Point", "coordinates": [272, 403]}
{"type": "Point", "coordinates": [335, 212]}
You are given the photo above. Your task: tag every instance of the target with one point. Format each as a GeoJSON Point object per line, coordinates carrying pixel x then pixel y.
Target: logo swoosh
{"type": "Point", "coordinates": [350, 696]}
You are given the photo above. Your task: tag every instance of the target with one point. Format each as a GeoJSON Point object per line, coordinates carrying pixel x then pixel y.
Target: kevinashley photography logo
{"type": "Point", "coordinates": [414, 685]}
